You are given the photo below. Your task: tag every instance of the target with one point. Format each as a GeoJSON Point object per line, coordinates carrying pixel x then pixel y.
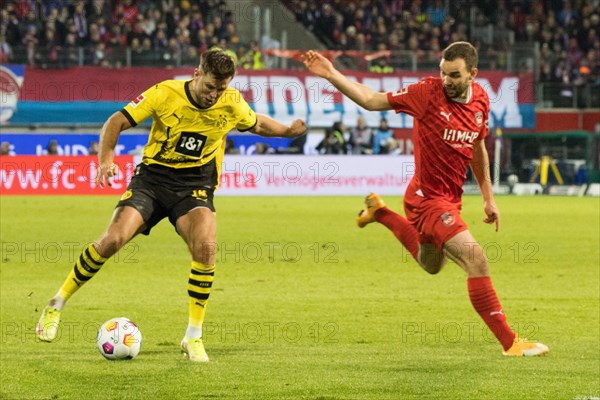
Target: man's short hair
{"type": "Point", "coordinates": [217, 62]}
{"type": "Point", "coordinates": [464, 50]}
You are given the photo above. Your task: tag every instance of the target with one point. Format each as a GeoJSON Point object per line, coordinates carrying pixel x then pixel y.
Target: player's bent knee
{"type": "Point", "coordinates": [478, 268]}
{"type": "Point", "coordinates": [433, 270]}
{"type": "Point", "coordinates": [430, 259]}
{"type": "Point", "coordinates": [432, 267]}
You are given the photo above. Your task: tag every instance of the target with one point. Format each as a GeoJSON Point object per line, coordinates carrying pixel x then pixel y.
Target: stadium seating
{"type": "Point", "coordinates": [62, 34]}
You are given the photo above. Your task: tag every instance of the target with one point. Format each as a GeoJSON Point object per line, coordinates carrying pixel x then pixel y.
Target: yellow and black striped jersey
{"type": "Point", "coordinates": [183, 134]}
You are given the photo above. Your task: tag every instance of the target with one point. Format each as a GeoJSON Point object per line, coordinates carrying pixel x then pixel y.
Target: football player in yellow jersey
{"type": "Point", "coordinates": [177, 177]}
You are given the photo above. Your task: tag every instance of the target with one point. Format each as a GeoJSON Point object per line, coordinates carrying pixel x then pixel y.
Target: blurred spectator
{"type": "Point", "coordinates": [361, 137]}
{"type": "Point", "coordinates": [93, 148]}
{"type": "Point", "coordinates": [52, 148]}
{"type": "Point", "coordinates": [297, 145]}
{"type": "Point", "coordinates": [31, 42]}
{"type": "Point", "coordinates": [334, 141]}
{"type": "Point", "coordinates": [80, 20]}
{"type": "Point", "coordinates": [190, 57]}
{"type": "Point", "coordinates": [230, 147]}
{"type": "Point", "coordinates": [566, 14]}
{"type": "Point", "coordinates": [253, 58]}
{"type": "Point", "coordinates": [383, 138]}
{"type": "Point", "coordinates": [223, 45]}
{"type": "Point", "coordinates": [263, 148]}
{"type": "Point", "coordinates": [437, 13]}
{"type": "Point", "coordinates": [69, 54]}
{"type": "Point", "coordinates": [173, 54]}
{"type": "Point", "coordinates": [11, 27]}
{"type": "Point", "coordinates": [382, 66]}
{"type": "Point", "coordinates": [393, 148]}
{"type": "Point", "coordinates": [51, 48]}
{"type": "Point", "coordinates": [6, 55]}
{"type": "Point", "coordinates": [137, 53]}
{"type": "Point", "coordinates": [130, 12]}
{"type": "Point", "coordinates": [98, 54]}
{"type": "Point", "coordinates": [5, 149]}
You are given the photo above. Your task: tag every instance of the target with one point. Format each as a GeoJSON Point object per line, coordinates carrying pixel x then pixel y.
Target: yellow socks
{"type": "Point", "coordinates": [199, 285]}
{"type": "Point", "coordinates": [88, 264]}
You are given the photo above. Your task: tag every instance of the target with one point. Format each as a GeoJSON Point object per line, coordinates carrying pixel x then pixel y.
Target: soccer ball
{"type": "Point", "coordinates": [119, 339]}
{"type": "Point", "coordinates": [512, 179]}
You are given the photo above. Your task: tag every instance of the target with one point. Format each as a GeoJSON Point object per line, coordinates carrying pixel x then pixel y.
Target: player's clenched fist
{"type": "Point", "coordinates": [297, 128]}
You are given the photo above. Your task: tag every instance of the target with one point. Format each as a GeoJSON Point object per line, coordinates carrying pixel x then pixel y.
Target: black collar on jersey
{"type": "Point", "coordinates": [188, 93]}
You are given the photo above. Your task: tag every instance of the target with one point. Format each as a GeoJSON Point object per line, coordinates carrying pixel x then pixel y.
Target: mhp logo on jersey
{"type": "Point", "coordinates": [460, 138]}
{"type": "Point", "coordinates": [134, 103]}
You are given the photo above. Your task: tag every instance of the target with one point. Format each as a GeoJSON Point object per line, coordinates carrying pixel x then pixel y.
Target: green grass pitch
{"type": "Point", "coordinates": [305, 305]}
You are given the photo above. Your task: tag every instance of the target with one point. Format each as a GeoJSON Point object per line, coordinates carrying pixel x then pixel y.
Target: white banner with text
{"type": "Point", "coordinates": [315, 175]}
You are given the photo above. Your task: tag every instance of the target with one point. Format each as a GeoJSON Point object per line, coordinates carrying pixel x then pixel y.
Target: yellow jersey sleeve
{"type": "Point", "coordinates": [143, 106]}
{"type": "Point", "coordinates": [247, 119]}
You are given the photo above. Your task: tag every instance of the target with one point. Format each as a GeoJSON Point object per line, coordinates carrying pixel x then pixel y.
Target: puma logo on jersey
{"type": "Point", "coordinates": [445, 115]}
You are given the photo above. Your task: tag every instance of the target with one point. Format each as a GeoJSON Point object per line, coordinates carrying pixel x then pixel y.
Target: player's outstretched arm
{"type": "Point", "coordinates": [360, 94]}
{"type": "Point", "coordinates": [267, 126]}
{"type": "Point", "coordinates": [109, 136]}
{"type": "Point", "coordinates": [480, 164]}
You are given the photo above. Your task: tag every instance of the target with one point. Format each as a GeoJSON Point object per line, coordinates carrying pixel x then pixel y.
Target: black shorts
{"type": "Point", "coordinates": [158, 192]}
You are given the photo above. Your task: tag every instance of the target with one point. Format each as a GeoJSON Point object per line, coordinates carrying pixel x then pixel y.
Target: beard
{"type": "Point", "coordinates": [456, 91]}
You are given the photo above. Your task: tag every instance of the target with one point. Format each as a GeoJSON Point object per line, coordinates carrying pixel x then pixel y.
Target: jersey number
{"type": "Point", "coordinates": [190, 144]}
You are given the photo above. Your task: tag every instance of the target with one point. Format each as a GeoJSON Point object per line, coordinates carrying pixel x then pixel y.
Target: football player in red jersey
{"type": "Point", "coordinates": [450, 114]}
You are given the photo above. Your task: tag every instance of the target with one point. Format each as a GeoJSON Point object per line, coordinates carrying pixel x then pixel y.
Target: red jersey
{"type": "Point", "coordinates": [444, 133]}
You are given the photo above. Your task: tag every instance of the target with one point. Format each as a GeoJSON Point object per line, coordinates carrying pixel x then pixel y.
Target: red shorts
{"type": "Point", "coordinates": [437, 220]}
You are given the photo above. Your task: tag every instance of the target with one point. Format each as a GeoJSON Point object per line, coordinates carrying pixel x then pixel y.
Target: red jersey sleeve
{"type": "Point", "coordinates": [483, 132]}
{"type": "Point", "coordinates": [412, 99]}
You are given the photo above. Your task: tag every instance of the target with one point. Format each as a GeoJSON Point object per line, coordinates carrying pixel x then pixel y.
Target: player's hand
{"type": "Point", "coordinates": [105, 172]}
{"type": "Point", "coordinates": [493, 214]}
{"type": "Point", "coordinates": [297, 128]}
{"type": "Point", "coordinates": [318, 64]}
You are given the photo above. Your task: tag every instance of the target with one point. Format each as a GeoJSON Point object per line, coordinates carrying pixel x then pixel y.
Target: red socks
{"type": "Point", "coordinates": [401, 228]}
{"type": "Point", "coordinates": [484, 300]}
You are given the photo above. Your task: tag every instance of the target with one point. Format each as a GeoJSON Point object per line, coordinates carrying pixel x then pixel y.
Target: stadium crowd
{"type": "Point", "coordinates": [61, 33]}
{"type": "Point", "coordinates": [568, 33]}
